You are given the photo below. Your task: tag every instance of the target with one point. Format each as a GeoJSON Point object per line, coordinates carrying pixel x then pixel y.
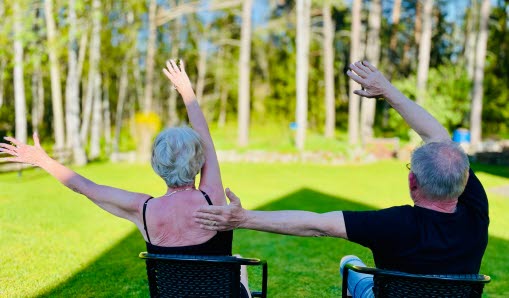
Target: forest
{"type": "Point", "coordinates": [86, 74]}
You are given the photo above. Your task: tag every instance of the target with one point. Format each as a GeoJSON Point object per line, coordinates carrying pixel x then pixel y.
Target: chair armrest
{"type": "Point", "coordinates": [468, 278]}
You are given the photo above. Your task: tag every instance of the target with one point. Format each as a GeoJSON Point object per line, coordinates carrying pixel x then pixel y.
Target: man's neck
{"type": "Point", "coordinates": [448, 206]}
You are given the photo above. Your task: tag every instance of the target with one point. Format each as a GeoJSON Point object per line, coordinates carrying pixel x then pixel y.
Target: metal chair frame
{"type": "Point", "coordinates": [198, 276]}
{"type": "Point", "coordinates": [389, 283]}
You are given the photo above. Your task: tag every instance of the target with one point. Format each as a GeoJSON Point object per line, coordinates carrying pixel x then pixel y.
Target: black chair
{"type": "Point", "coordinates": [198, 276]}
{"type": "Point", "coordinates": [399, 284]}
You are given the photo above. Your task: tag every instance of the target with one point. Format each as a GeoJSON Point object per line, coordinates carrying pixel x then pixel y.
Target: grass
{"type": "Point", "coordinates": [55, 243]}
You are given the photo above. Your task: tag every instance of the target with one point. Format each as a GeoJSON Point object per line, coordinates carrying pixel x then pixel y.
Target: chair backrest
{"type": "Point", "coordinates": [197, 276]}
{"type": "Point", "coordinates": [399, 284]}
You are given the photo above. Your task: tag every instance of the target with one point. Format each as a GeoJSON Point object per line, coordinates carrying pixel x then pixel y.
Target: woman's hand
{"type": "Point", "coordinates": [23, 153]}
{"type": "Point", "coordinates": [178, 76]}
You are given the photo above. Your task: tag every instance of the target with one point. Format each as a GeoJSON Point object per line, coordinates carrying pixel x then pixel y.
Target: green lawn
{"type": "Point", "coordinates": [55, 243]}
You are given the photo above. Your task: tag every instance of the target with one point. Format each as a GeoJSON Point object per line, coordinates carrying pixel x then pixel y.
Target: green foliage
{"type": "Point", "coordinates": [496, 89]}
{"type": "Point", "coordinates": [446, 98]}
{"type": "Point", "coordinates": [59, 244]}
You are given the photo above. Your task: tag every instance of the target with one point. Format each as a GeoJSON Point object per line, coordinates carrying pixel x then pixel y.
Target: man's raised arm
{"type": "Point", "coordinates": [374, 85]}
{"type": "Point", "coordinates": [298, 223]}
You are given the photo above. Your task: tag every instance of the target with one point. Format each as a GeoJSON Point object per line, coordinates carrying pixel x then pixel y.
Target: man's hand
{"type": "Point", "coordinates": [23, 153]}
{"type": "Point", "coordinates": [373, 83]}
{"type": "Point", "coordinates": [222, 218]}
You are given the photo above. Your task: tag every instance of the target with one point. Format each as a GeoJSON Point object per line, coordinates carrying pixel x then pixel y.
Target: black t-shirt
{"type": "Point", "coordinates": [419, 240]}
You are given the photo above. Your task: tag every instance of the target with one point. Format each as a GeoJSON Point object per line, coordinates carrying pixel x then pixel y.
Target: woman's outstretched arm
{"type": "Point", "coordinates": [116, 201]}
{"type": "Point", "coordinates": [210, 180]}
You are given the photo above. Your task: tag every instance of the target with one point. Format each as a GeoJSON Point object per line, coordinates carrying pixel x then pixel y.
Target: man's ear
{"type": "Point", "coordinates": [412, 181]}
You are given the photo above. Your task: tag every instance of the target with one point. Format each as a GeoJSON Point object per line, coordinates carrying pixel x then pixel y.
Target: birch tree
{"type": "Point", "coordinates": [368, 105]}
{"type": "Point", "coordinates": [93, 69]}
{"type": "Point", "coordinates": [328, 65]}
{"type": "Point", "coordinates": [480, 59]}
{"type": "Point", "coordinates": [424, 51]}
{"type": "Point", "coordinates": [244, 74]}
{"type": "Point", "coordinates": [303, 34]}
{"type": "Point", "coordinates": [19, 84]}
{"type": "Point", "coordinates": [353, 104]}
{"type": "Point", "coordinates": [56, 89]}
{"type": "Point", "coordinates": [151, 49]}
{"type": "Point", "coordinates": [72, 100]}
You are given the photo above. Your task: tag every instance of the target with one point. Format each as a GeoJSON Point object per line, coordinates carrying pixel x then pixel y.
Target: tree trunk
{"type": "Point", "coordinates": [151, 49]}
{"type": "Point", "coordinates": [56, 89]}
{"type": "Point", "coordinates": [122, 94]}
{"type": "Point", "coordinates": [19, 85]}
{"type": "Point", "coordinates": [37, 96]}
{"type": "Point", "coordinates": [173, 118]}
{"type": "Point", "coordinates": [72, 99]}
{"type": "Point", "coordinates": [471, 37]}
{"type": "Point", "coordinates": [368, 105]}
{"type": "Point", "coordinates": [353, 105]}
{"type": "Point", "coordinates": [221, 121]}
{"type": "Point", "coordinates": [328, 60]}
{"type": "Point", "coordinates": [424, 51]}
{"type": "Point", "coordinates": [393, 56]}
{"type": "Point", "coordinates": [244, 74]}
{"type": "Point", "coordinates": [93, 70]}
{"type": "Point", "coordinates": [106, 114]}
{"type": "Point", "coordinates": [202, 69]}
{"type": "Point", "coordinates": [480, 58]}
{"type": "Point", "coordinates": [2, 80]}
{"type": "Point", "coordinates": [303, 34]}
{"type": "Point", "coordinates": [95, 129]}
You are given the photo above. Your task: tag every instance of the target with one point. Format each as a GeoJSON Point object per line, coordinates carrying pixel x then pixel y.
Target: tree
{"type": "Point", "coordinates": [303, 34]}
{"type": "Point", "coordinates": [244, 74]}
{"type": "Point", "coordinates": [19, 82]}
{"type": "Point", "coordinates": [328, 65]}
{"type": "Point", "coordinates": [480, 58]}
{"type": "Point", "coordinates": [56, 90]}
{"type": "Point", "coordinates": [149, 62]}
{"type": "Point", "coordinates": [373, 55]}
{"type": "Point", "coordinates": [353, 104]}
{"type": "Point", "coordinates": [93, 82]}
{"type": "Point", "coordinates": [72, 99]}
{"type": "Point", "coordinates": [424, 51]}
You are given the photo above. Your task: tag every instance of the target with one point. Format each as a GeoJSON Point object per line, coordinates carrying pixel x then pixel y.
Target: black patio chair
{"type": "Point", "coordinates": [198, 276]}
{"type": "Point", "coordinates": [399, 284]}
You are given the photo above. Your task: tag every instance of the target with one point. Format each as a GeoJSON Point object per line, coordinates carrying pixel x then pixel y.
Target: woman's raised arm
{"type": "Point", "coordinates": [210, 180]}
{"type": "Point", "coordinates": [116, 201]}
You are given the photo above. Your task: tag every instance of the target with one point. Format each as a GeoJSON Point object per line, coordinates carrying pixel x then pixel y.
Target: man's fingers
{"type": "Point", "coordinates": [369, 65]}
{"type": "Point", "coordinates": [361, 73]}
{"type": "Point", "coordinates": [231, 196]}
{"type": "Point", "coordinates": [355, 77]}
{"type": "Point", "coordinates": [11, 152]}
{"type": "Point", "coordinates": [209, 210]}
{"type": "Point", "coordinates": [361, 66]}
{"type": "Point", "coordinates": [363, 93]}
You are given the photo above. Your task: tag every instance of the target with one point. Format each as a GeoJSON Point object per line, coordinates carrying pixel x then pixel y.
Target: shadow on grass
{"type": "Point", "coordinates": [502, 171]}
{"type": "Point", "coordinates": [298, 266]}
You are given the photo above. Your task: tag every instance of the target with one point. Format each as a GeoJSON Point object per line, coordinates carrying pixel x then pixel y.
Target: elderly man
{"type": "Point", "coordinates": [444, 232]}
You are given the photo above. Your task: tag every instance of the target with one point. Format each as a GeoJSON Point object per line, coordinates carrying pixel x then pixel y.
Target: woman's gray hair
{"type": "Point", "coordinates": [178, 155]}
{"type": "Point", "coordinates": [441, 169]}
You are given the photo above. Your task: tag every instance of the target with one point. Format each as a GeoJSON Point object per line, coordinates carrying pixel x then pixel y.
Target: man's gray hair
{"type": "Point", "coordinates": [441, 169]}
{"type": "Point", "coordinates": [178, 155]}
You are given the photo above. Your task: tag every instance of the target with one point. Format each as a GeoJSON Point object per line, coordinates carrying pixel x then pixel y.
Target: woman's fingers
{"type": "Point", "coordinates": [37, 143]}
{"type": "Point", "coordinates": [13, 140]}
{"type": "Point", "coordinates": [7, 146]}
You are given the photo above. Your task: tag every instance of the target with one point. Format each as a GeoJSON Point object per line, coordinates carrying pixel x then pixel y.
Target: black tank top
{"type": "Point", "coordinates": [219, 245]}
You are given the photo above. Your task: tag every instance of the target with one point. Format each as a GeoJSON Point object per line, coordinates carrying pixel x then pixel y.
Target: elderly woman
{"type": "Point", "coordinates": [178, 155]}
